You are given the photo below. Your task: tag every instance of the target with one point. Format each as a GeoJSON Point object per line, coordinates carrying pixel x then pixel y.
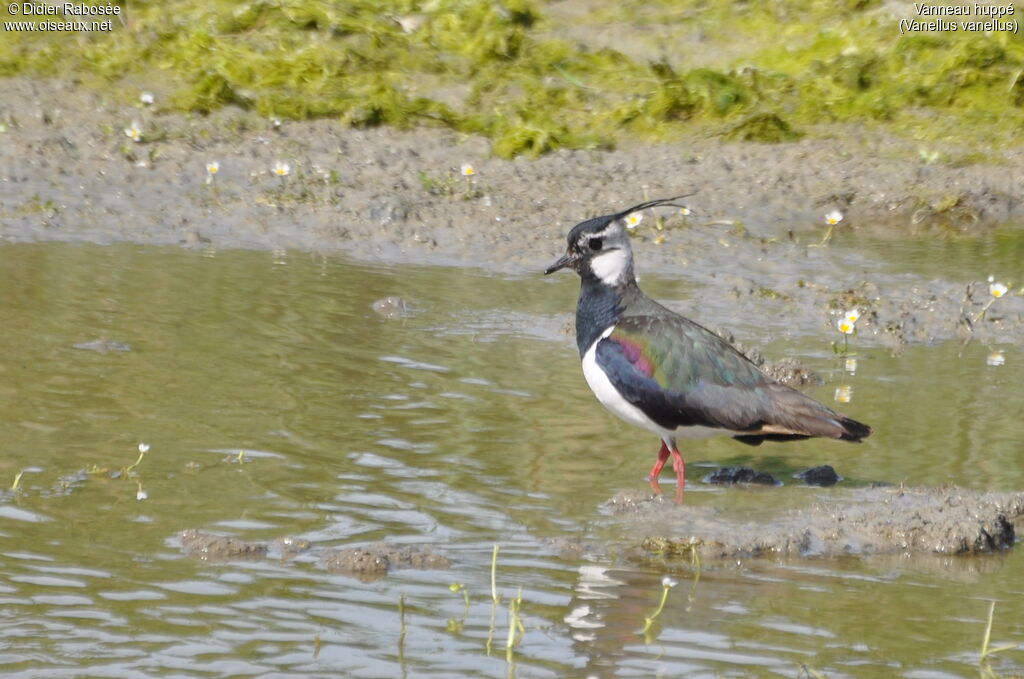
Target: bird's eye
{"type": "Point", "coordinates": [595, 244]}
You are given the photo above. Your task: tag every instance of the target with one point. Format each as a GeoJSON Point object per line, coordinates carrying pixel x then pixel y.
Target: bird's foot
{"type": "Point", "coordinates": [655, 486]}
{"type": "Point", "coordinates": [677, 464]}
{"type": "Point", "coordinates": [656, 489]}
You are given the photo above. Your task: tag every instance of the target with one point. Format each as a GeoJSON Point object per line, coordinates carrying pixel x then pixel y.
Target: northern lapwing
{"type": "Point", "coordinates": [667, 374]}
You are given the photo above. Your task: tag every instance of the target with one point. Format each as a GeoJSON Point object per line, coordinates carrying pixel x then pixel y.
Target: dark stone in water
{"type": "Point", "coordinates": [731, 475]}
{"type": "Point", "coordinates": [822, 475]}
{"type": "Point", "coordinates": [103, 346]}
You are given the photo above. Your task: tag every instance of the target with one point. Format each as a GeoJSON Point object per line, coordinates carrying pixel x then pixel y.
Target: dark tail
{"type": "Point", "coordinates": [795, 416]}
{"type": "Point", "coordinates": [853, 430]}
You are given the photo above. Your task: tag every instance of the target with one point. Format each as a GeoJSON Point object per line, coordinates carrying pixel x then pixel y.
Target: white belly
{"type": "Point", "coordinates": [613, 401]}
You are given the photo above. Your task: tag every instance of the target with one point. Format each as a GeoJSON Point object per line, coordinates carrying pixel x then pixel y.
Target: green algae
{"type": "Point", "coordinates": [766, 71]}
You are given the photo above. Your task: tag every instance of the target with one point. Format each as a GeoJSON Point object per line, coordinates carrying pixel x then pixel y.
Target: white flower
{"type": "Point", "coordinates": [633, 219]}
{"type": "Point", "coordinates": [147, 98]}
{"type": "Point", "coordinates": [685, 211]}
{"type": "Point", "coordinates": [212, 168]}
{"type": "Point", "coordinates": [995, 289]}
{"type": "Point", "coordinates": [141, 495]}
{"type": "Point", "coordinates": [852, 316]}
{"type": "Point", "coordinates": [845, 326]}
{"type": "Point", "coordinates": [143, 448]}
{"type": "Point", "coordinates": [834, 217]}
{"type": "Point", "coordinates": [996, 358]}
{"type": "Point", "coordinates": [281, 168]}
{"type": "Point", "coordinates": [668, 582]}
{"type": "Point", "coordinates": [844, 392]}
{"type": "Point", "coordinates": [467, 170]}
{"type": "Point", "coordinates": [134, 132]}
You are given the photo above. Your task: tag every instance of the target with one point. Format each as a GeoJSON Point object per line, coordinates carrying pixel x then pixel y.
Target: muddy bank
{"type": "Point", "coordinates": [861, 522]}
{"type": "Point", "coordinates": [865, 522]}
{"type": "Point", "coordinates": [70, 173]}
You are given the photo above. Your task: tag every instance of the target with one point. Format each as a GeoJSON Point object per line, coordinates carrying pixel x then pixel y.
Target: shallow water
{"type": "Point", "coordinates": [277, 402]}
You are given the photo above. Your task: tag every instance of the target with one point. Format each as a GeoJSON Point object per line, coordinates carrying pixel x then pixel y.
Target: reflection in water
{"type": "Point", "coordinates": [278, 402]}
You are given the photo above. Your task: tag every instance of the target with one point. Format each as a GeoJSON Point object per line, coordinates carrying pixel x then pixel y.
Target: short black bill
{"type": "Point", "coordinates": [563, 261]}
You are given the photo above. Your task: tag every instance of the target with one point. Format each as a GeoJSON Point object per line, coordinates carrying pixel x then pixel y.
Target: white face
{"type": "Point", "coordinates": [612, 262]}
{"type": "Point", "coordinates": [611, 265]}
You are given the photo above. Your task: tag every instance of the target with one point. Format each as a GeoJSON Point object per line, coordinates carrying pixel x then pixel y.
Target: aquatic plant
{"type": "Point", "coordinates": [986, 650]}
{"type": "Point", "coordinates": [143, 449]}
{"type": "Point", "coordinates": [281, 169]}
{"type": "Point", "coordinates": [847, 325]}
{"type": "Point", "coordinates": [996, 290]}
{"type": "Point", "coordinates": [832, 220]}
{"type": "Point", "coordinates": [667, 583]}
{"type": "Point", "coordinates": [453, 624]}
{"type": "Point", "coordinates": [437, 186]}
{"type": "Point", "coordinates": [401, 629]}
{"type": "Point", "coordinates": [469, 172]}
{"type": "Point", "coordinates": [516, 629]}
{"type": "Point", "coordinates": [995, 358]}
{"type": "Point", "coordinates": [494, 576]}
{"type": "Point", "coordinates": [507, 74]}
{"type": "Point", "coordinates": [134, 132]}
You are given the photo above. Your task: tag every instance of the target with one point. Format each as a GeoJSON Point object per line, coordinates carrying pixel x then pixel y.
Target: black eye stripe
{"type": "Point", "coordinates": [595, 244]}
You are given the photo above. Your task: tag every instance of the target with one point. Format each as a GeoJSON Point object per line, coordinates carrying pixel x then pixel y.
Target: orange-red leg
{"type": "Point", "coordinates": [680, 466]}
{"type": "Point", "coordinates": [677, 464]}
{"type": "Point", "coordinates": [662, 458]}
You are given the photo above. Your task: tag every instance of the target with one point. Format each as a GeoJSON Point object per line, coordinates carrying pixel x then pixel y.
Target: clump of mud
{"type": "Point", "coordinates": [374, 561]}
{"type": "Point", "coordinates": [392, 306]}
{"type": "Point", "coordinates": [209, 547]}
{"type": "Point", "coordinates": [367, 562]}
{"type": "Point", "coordinates": [866, 521]}
{"type": "Point", "coordinates": [788, 371]}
